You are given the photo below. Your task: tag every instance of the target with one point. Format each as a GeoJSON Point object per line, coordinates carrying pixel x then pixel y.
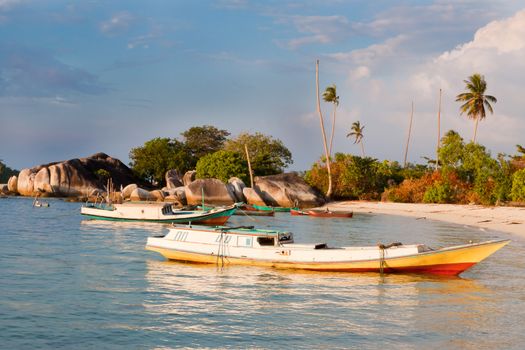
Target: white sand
{"type": "Point", "coordinates": [505, 219]}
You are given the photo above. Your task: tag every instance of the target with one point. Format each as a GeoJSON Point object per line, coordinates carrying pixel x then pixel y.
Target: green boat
{"type": "Point", "coordinates": [269, 208]}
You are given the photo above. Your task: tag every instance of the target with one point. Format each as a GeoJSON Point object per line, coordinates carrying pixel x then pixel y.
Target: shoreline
{"type": "Point", "coordinates": [504, 219]}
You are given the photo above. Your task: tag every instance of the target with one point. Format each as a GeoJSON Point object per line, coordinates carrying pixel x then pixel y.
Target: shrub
{"type": "Point", "coordinates": [222, 165]}
{"type": "Point", "coordinates": [518, 186]}
{"type": "Point", "coordinates": [355, 177]}
{"type": "Point", "coordinates": [439, 192]}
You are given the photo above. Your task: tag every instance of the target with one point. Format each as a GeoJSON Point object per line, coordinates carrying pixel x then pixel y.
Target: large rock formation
{"type": "Point", "coordinates": [128, 190]}
{"type": "Point", "coordinates": [287, 190]}
{"type": "Point", "coordinates": [236, 186]}
{"type": "Point", "coordinates": [214, 191]}
{"type": "Point", "coordinates": [12, 184]}
{"type": "Point", "coordinates": [189, 177]}
{"type": "Point", "coordinates": [173, 179]}
{"type": "Point", "coordinates": [140, 194]}
{"type": "Point", "coordinates": [75, 177]}
{"type": "Point", "coordinates": [252, 197]}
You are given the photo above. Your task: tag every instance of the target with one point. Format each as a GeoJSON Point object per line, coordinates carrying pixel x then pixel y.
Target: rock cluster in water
{"type": "Point", "coordinates": [72, 178]}
{"type": "Point", "coordinates": [87, 177]}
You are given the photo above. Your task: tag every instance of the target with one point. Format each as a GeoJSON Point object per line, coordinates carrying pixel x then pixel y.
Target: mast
{"type": "Point", "coordinates": [249, 164]}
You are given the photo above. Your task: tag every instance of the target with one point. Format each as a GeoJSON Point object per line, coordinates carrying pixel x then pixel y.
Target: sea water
{"type": "Point", "coordinates": [71, 283]}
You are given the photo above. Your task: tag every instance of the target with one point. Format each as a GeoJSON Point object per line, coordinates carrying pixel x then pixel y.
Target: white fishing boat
{"type": "Point", "coordinates": [157, 212]}
{"type": "Point", "coordinates": [249, 246]}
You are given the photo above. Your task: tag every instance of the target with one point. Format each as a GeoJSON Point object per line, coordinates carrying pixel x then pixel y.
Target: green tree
{"type": "Point", "coordinates": [268, 156]}
{"type": "Point", "coordinates": [330, 95]}
{"type": "Point", "coordinates": [222, 165]}
{"type": "Point", "coordinates": [6, 172]}
{"type": "Point", "coordinates": [151, 161]}
{"type": "Point", "coordinates": [203, 140]}
{"type": "Point", "coordinates": [451, 150]}
{"type": "Point", "coordinates": [518, 186]}
{"type": "Point", "coordinates": [475, 100]}
{"type": "Point", "coordinates": [357, 133]}
{"type": "Point", "coordinates": [474, 165]}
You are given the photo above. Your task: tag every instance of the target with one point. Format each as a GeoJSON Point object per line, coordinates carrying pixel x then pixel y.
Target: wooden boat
{"type": "Point", "coordinates": [247, 209]}
{"type": "Point", "coordinates": [269, 208]}
{"type": "Point", "coordinates": [157, 212]}
{"type": "Point", "coordinates": [40, 204]}
{"type": "Point", "coordinates": [248, 246]}
{"type": "Point", "coordinates": [298, 212]}
{"type": "Point", "coordinates": [330, 214]}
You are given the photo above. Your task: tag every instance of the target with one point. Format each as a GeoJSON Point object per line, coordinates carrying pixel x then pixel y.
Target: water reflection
{"type": "Point", "coordinates": [257, 301]}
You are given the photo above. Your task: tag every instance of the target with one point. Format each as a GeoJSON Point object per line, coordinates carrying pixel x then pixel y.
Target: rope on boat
{"type": "Point", "coordinates": [220, 251]}
{"type": "Point", "coordinates": [382, 247]}
{"type": "Point", "coordinates": [249, 216]}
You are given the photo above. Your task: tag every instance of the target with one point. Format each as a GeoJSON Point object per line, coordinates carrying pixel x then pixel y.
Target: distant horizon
{"type": "Point", "coordinates": [89, 77]}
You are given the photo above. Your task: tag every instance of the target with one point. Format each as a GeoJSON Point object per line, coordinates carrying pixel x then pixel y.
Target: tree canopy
{"type": "Point", "coordinates": [475, 100]}
{"type": "Point", "coordinates": [6, 172]}
{"type": "Point", "coordinates": [157, 156]}
{"type": "Point", "coordinates": [268, 156]}
{"type": "Point", "coordinates": [222, 165]}
{"type": "Point", "coordinates": [203, 140]}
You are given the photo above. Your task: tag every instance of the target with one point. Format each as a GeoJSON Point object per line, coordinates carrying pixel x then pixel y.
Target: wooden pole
{"type": "Point", "coordinates": [249, 164]}
{"type": "Point", "coordinates": [439, 131]}
{"type": "Point", "coordinates": [408, 138]}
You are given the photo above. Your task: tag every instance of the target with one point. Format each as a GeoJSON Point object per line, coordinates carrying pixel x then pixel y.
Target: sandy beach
{"type": "Point", "coordinates": [504, 219]}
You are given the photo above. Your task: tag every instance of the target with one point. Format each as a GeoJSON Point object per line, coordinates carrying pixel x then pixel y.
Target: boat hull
{"type": "Point", "coordinates": [449, 261]}
{"type": "Point", "coordinates": [213, 217]}
{"type": "Point", "coordinates": [267, 208]}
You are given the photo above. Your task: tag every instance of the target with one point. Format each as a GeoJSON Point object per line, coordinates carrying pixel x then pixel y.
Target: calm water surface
{"type": "Point", "coordinates": [71, 283]}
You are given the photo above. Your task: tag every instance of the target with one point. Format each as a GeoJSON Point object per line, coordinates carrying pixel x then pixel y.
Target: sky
{"type": "Point", "coordinates": [81, 77]}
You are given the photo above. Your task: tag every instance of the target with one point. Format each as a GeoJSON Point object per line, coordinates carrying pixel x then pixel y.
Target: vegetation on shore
{"type": "Point", "coordinates": [221, 157]}
{"type": "Point", "coordinates": [6, 172]}
{"type": "Point", "coordinates": [467, 174]}
{"type": "Point", "coordinates": [464, 173]}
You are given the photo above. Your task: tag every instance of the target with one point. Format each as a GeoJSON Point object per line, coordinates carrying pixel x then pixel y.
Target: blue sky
{"type": "Point", "coordinates": [80, 77]}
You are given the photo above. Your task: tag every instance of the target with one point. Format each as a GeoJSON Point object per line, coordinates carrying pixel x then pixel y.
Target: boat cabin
{"type": "Point", "coordinates": [235, 237]}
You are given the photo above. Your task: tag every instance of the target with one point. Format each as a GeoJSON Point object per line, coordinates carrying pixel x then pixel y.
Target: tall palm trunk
{"type": "Point", "coordinates": [333, 129]}
{"type": "Point", "coordinates": [439, 131]}
{"type": "Point", "coordinates": [362, 148]}
{"type": "Point", "coordinates": [475, 129]}
{"type": "Point", "coordinates": [329, 191]}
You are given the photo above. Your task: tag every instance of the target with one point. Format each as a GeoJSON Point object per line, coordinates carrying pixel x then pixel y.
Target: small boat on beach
{"type": "Point", "coordinates": [157, 212]}
{"type": "Point", "coordinates": [248, 246]}
{"type": "Point", "coordinates": [330, 214]}
{"type": "Point", "coordinates": [322, 213]}
{"type": "Point", "coordinates": [298, 212]}
{"type": "Point", "coordinates": [270, 208]}
{"type": "Point", "coordinates": [249, 210]}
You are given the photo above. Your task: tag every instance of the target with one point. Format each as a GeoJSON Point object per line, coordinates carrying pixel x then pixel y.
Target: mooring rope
{"type": "Point", "coordinates": [220, 251]}
{"type": "Point", "coordinates": [382, 248]}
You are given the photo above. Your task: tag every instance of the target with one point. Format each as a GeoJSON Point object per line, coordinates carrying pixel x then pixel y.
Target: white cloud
{"type": "Point", "coordinates": [6, 5]}
{"type": "Point", "coordinates": [117, 24]}
{"type": "Point", "coordinates": [319, 29]}
{"type": "Point", "coordinates": [496, 50]}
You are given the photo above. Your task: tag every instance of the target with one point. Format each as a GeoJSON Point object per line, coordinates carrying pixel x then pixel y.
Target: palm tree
{"type": "Point", "coordinates": [357, 133]}
{"type": "Point", "coordinates": [330, 95]}
{"type": "Point", "coordinates": [321, 120]}
{"type": "Point", "coordinates": [475, 100]}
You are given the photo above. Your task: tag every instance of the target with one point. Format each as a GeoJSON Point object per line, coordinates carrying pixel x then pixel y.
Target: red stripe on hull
{"type": "Point", "coordinates": [442, 269]}
{"type": "Point", "coordinates": [214, 221]}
